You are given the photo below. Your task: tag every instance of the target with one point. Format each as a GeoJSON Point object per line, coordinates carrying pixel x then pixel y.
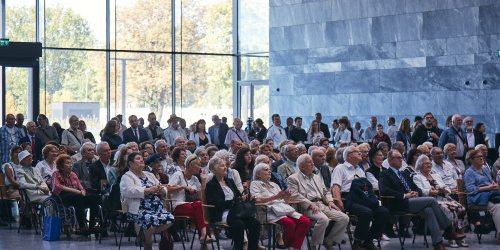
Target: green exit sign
{"type": "Point", "coordinates": [498, 53]}
{"type": "Point", "coordinates": [4, 42]}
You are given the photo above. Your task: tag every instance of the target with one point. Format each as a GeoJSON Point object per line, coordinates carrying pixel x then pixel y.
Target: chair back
{"type": "Point", "coordinates": [461, 195]}
{"type": "Point", "coordinates": [3, 188]}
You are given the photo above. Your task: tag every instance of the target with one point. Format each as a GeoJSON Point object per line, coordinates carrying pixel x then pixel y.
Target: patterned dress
{"type": "Point", "coordinates": [151, 212]}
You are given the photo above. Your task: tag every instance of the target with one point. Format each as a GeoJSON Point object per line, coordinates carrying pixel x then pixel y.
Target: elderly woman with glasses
{"type": "Point", "coordinates": [184, 188]}
{"type": "Point", "coordinates": [433, 185]}
{"type": "Point", "coordinates": [479, 187]}
{"type": "Point", "coordinates": [295, 225]}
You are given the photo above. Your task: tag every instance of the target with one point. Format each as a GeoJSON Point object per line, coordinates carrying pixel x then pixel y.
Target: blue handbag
{"type": "Point", "coordinates": [51, 228]}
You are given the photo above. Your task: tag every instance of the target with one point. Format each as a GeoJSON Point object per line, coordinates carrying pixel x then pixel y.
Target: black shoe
{"type": "Point", "coordinates": [405, 234]}
{"type": "Point", "coordinates": [368, 245]}
{"type": "Point", "coordinates": [391, 234]}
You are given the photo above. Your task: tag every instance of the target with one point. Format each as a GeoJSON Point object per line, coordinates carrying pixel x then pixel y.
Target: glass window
{"type": "Point", "coordinates": [20, 20]}
{"type": "Point", "coordinates": [17, 87]}
{"type": "Point", "coordinates": [204, 26]}
{"type": "Point", "coordinates": [74, 24]}
{"type": "Point", "coordinates": [140, 84]}
{"type": "Point", "coordinates": [204, 87]}
{"type": "Point", "coordinates": [131, 30]}
{"type": "Point", "coordinates": [255, 67]}
{"type": "Point", "coordinates": [74, 84]}
{"type": "Point", "coordinates": [253, 26]}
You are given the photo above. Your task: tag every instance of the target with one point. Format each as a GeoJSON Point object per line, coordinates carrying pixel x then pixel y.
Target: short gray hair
{"type": "Point", "coordinates": [301, 159]}
{"type": "Point", "coordinates": [214, 162]}
{"type": "Point", "coordinates": [222, 154]}
{"type": "Point", "coordinates": [311, 149]}
{"type": "Point", "coordinates": [420, 162]}
{"type": "Point", "coordinates": [434, 149]}
{"type": "Point", "coordinates": [157, 143]}
{"type": "Point", "coordinates": [339, 155]}
{"type": "Point", "coordinates": [257, 169]}
{"type": "Point", "coordinates": [100, 145]}
{"type": "Point", "coordinates": [480, 146]}
{"type": "Point", "coordinates": [285, 149]}
{"type": "Point", "coordinates": [346, 152]}
{"type": "Point", "coordinates": [301, 146]}
{"type": "Point", "coordinates": [261, 159]}
{"type": "Point", "coordinates": [85, 144]}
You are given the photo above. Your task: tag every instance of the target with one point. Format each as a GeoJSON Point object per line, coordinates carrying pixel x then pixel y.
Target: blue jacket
{"type": "Point", "coordinates": [450, 136]}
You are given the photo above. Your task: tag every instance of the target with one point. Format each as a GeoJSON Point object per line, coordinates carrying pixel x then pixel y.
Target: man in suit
{"type": "Point", "coordinates": [317, 203]}
{"type": "Point", "coordinates": [155, 132]}
{"type": "Point", "coordinates": [322, 126]}
{"type": "Point", "coordinates": [36, 143]}
{"type": "Point", "coordinates": [288, 168]}
{"type": "Point", "coordinates": [218, 132]}
{"type": "Point", "coordinates": [407, 198]}
{"type": "Point", "coordinates": [134, 133]}
{"type": "Point", "coordinates": [472, 136]}
{"type": "Point", "coordinates": [81, 167]}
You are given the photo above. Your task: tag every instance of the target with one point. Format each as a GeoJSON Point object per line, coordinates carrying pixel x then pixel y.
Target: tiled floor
{"type": "Point", "coordinates": [11, 240]}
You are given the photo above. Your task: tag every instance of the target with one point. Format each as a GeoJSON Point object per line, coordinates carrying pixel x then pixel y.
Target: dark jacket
{"type": "Point", "coordinates": [298, 135]}
{"type": "Point", "coordinates": [37, 151]}
{"type": "Point", "coordinates": [96, 174]}
{"type": "Point", "coordinates": [223, 129]}
{"type": "Point", "coordinates": [128, 136]}
{"type": "Point", "coordinates": [215, 196]}
{"type": "Point", "coordinates": [324, 128]}
{"type": "Point", "coordinates": [113, 140]}
{"type": "Point", "coordinates": [390, 185]}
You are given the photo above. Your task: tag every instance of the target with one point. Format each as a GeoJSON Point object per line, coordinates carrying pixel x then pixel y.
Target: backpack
{"type": "Point", "coordinates": [361, 192]}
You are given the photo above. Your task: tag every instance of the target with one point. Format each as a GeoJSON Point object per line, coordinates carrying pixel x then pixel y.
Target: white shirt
{"type": "Point", "coordinates": [343, 175]}
{"type": "Point", "coordinates": [45, 169]}
{"type": "Point", "coordinates": [392, 132]}
{"type": "Point", "coordinates": [447, 173]}
{"type": "Point", "coordinates": [370, 133]}
{"type": "Point", "coordinates": [277, 133]}
{"type": "Point", "coordinates": [470, 139]}
{"type": "Point", "coordinates": [342, 136]}
{"type": "Point", "coordinates": [178, 179]}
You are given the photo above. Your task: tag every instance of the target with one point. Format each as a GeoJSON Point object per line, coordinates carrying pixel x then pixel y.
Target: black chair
{"type": "Point", "coordinates": [31, 209]}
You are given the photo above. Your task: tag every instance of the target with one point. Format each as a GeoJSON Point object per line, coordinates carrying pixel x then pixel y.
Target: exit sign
{"type": "Point", "coordinates": [4, 42]}
{"type": "Point", "coordinates": [498, 53]}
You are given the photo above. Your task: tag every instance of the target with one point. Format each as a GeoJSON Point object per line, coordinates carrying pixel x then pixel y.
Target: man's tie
{"type": "Point", "coordinates": [136, 132]}
{"type": "Point", "coordinates": [405, 184]}
{"type": "Point", "coordinates": [33, 144]}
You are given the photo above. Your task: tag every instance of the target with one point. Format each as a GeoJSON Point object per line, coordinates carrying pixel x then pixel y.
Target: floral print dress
{"type": "Point", "coordinates": [151, 212]}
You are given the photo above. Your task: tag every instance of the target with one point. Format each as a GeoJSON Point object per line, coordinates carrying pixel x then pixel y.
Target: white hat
{"type": "Point", "coordinates": [23, 154]}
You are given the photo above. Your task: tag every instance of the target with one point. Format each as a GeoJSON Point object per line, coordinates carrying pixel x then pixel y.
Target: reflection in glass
{"type": "Point", "coordinates": [75, 83]}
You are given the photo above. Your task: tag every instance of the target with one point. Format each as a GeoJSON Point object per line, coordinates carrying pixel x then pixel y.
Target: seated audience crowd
{"type": "Point", "coordinates": [320, 183]}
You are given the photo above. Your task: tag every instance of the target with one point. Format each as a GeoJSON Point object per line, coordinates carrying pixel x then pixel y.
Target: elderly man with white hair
{"type": "Point", "coordinates": [377, 216]}
{"type": "Point", "coordinates": [444, 169]}
{"type": "Point", "coordinates": [456, 135]}
{"type": "Point", "coordinates": [236, 133]}
{"type": "Point", "coordinates": [288, 168]}
{"type": "Point", "coordinates": [316, 201]}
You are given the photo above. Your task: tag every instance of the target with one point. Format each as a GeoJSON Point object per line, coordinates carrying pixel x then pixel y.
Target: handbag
{"type": "Point", "coordinates": [361, 192]}
{"type": "Point", "coordinates": [51, 228]}
{"type": "Point", "coordinates": [282, 209]}
{"type": "Point", "coordinates": [242, 209]}
{"type": "Point", "coordinates": [190, 197]}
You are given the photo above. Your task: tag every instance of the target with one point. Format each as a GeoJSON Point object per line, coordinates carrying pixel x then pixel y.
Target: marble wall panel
{"type": "Point", "coordinates": [491, 73]}
{"type": "Point", "coordinates": [370, 104]}
{"type": "Point", "coordinates": [331, 105]}
{"type": "Point", "coordinates": [282, 82]}
{"type": "Point", "coordinates": [468, 3]}
{"type": "Point", "coordinates": [404, 80]}
{"type": "Point", "coordinates": [315, 35]}
{"type": "Point", "coordinates": [450, 23]}
{"type": "Point", "coordinates": [372, 51]}
{"type": "Point", "coordinates": [424, 5]}
{"type": "Point", "coordinates": [314, 84]}
{"type": "Point", "coordinates": [288, 57]}
{"type": "Point", "coordinates": [277, 35]}
{"type": "Point", "coordinates": [412, 103]}
{"type": "Point", "coordinates": [330, 54]}
{"type": "Point", "coordinates": [489, 19]}
{"type": "Point", "coordinates": [294, 36]}
{"type": "Point", "coordinates": [462, 45]}
{"type": "Point", "coordinates": [364, 81]}
{"type": "Point", "coordinates": [406, 27]}
{"type": "Point", "coordinates": [454, 77]}
{"type": "Point", "coordinates": [435, 47]}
